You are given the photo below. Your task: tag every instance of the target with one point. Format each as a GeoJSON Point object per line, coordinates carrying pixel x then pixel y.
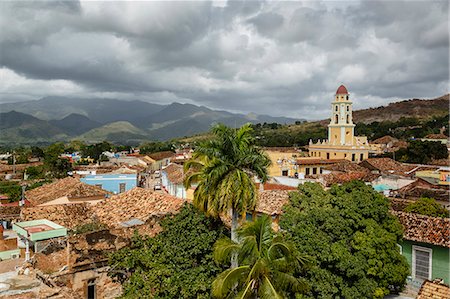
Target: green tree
{"type": "Point", "coordinates": [177, 263]}
{"type": "Point", "coordinates": [423, 152]}
{"type": "Point", "coordinates": [12, 189]}
{"type": "Point", "coordinates": [427, 206]}
{"type": "Point", "coordinates": [351, 237]}
{"type": "Point", "coordinates": [94, 151]}
{"type": "Point", "coordinates": [224, 169]}
{"type": "Point", "coordinates": [266, 264]}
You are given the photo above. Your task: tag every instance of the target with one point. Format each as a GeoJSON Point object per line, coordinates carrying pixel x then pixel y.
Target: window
{"type": "Point", "coordinates": [346, 97]}
{"type": "Point", "coordinates": [353, 157]}
{"type": "Point", "coordinates": [336, 118]}
{"type": "Point", "coordinates": [421, 262]}
{"type": "Point", "coordinates": [91, 289]}
{"type": "Point", "coordinates": [249, 216]}
{"type": "Point", "coordinates": [348, 107]}
{"type": "Point", "coordinates": [336, 109]}
{"type": "Point", "coordinates": [328, 156]}
{"type": "Point", "coordinates": [122, 187]}
{"type": "Point", "coordinates": [98, 185]}
{"type": "Point", "coordinates": [284, 172]}
{"type": "Point", "coordinates": [345, 155]}
{"type": "Point", "coordinates": [307, 170]}
{"type": "Point", "coordinates": [361, 157]}
{"type": "Point", "coordinates": [348, 119]}
{"type": "Point", "coordinates": [314, 170]}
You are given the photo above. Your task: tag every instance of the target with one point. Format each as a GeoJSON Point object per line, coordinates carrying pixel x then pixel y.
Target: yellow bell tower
{"type": "Point", "coordinates": [341, 128]}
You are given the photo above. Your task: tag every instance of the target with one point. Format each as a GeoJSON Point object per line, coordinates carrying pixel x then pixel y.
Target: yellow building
{"type": "Point", "coordinates": [342, 142]}
{"type": "Point", "coordinates": [283, 160]}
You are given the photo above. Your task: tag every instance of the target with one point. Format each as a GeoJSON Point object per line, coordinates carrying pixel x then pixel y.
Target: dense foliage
{"type": "Point", "coordinates": [352, 238]}
{"type": "Point", "coordinates": [427, 206]}
{"type": "Point", "coordinates": [177, 263]}
{"type": "Point", "coordinates": [422, 152]}
{"type": "Point", "coordinates": [266, 264]}
{"type": "Point", "coordinates": [154, 147]}
{"type": "Point", "coordinates": [404, 128]}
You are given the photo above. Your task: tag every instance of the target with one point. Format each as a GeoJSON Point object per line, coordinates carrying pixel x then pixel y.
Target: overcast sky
{"type": "Point", "coordinates": [277, 58]}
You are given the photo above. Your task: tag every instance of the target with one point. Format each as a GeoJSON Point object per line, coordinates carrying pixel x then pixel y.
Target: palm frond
{"type": "Point", "coordinates": [227, 280]}
{"type": "Point", "coordinates": [267, 290]}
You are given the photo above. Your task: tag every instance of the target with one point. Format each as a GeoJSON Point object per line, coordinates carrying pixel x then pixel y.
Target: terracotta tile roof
{"type": "Point", "coordinates": [136, 203]}
{"type": "Point", "coordinates": [271, 186]}
{"type": "Point", "coordinates": [70, 187]}
{"type": "Point", "coordinates": [384, 140]}
{"type": "Point", "coordinates": [309, 161]}
{"type": "Point", "coordinates": [271, 202]}
{"type": "Point", "coordinates": [433, 290]}
{"type": "Point", "coordinates": [436, 136]}
{"type": "Point", "coordinates": [66, 215]}
{"type": "Point", "coordinates": [175, 173]}
{"type": "Point", "coordinates": [425, 229]}
{"type": "Point", "coordinates": [346, 166]}
{"type": "Point", "coordinates": [341, 177]}
{"type": "Point", "coordinates": [387, 166]}
{"type": "Point", "coordinates": [161, 155]}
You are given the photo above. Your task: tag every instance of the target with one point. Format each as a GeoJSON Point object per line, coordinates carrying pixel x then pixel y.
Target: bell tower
{"type": "Point", "coordinates": [341, 129]}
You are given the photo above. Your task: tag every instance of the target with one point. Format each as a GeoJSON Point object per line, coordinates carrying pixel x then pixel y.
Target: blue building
{"type": "Point", "coordinates": [116, 183]}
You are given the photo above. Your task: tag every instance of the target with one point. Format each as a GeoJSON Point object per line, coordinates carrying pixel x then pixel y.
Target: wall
{"type": "Point", "coordinates": [275, 169]}
{"type": "Point", "coordinates": [112, 182]}
{"type": "Point", "coordinates": [440, 259]}
{"type": "Point", "coordinates": [338, 152]}
{"type": "Point", "coordinates": [6, 255]}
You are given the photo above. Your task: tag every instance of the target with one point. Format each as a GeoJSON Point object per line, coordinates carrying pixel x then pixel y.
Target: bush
{"type": "Point", "coordinates": [427, 206]}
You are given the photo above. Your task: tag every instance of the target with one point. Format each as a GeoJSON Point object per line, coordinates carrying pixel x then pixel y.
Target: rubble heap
{"type": "Point", "coordinates": [425, 229]}
{"type": "Point", "coordinates": [69, 187]}
{"type": "Point", "coordinates": [136, 203]}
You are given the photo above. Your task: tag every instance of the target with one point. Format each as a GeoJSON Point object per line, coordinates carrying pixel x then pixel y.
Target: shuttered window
{"type": "Point", "coordinates": [422, 262]}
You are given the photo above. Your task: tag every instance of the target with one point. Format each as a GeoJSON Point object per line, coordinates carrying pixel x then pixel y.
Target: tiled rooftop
{"type": "Point", "coordinates": [387, 166]}
{"type": "Point", "coordinates": [271, 202]}
{"type": "Point", "coordinates": [175, 173]}
{"type": "Point", "coordinates": [425, 229]}
{"type": "Point", "coordinates": [433, 290]}
{"type": "Point", "coordinates": [161, 155]}
{"type": "Point", "coordinates": [70, 187]}
{"type": "Point", "coordinates": [136, 203]}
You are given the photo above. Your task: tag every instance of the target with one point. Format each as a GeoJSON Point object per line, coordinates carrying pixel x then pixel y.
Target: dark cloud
{"type": "Point", "coordinates": [279, 58]}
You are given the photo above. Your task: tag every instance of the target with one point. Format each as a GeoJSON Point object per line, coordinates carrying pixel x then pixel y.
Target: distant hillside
{"type": "Point", "coordinates": [421, 109]}
{"type": "Point", "coordinates": [21, 128]}
{"type": "Point", "coordinates": [120, 131]}
{"type": "Point", "coordinates": [75, 124]}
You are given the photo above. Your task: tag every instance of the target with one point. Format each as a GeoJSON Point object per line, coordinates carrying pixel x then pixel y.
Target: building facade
{"type": "Point", "coordinates": [342, 142]}
{"type": "Point", "coordinates": [115, 183]}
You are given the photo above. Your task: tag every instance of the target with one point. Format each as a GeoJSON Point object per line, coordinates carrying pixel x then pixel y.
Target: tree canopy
{"type": "Point", "coordinates": [427, 206]}
{"type": "Point", "coordinates": [351, 237]}
{"type": "Point", "coordinates": [423, 152]}
{"type": "Point", "coordinates": [177, 263]}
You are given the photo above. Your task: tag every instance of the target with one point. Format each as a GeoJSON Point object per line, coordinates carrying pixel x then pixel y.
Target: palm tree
{"type": "Point", "coordinates": [224, 168]}
{"type": "Point", "coordinates": [266, 264]}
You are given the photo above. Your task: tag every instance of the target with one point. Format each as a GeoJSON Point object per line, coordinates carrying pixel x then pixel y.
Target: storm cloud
{"type": "Point", "coordinates": [277, 58]}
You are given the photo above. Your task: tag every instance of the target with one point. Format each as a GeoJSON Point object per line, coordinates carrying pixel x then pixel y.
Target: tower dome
{"type": "Point", "coordinates": [342, 90]}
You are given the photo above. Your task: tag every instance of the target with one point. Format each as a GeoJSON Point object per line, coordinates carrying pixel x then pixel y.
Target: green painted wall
{"type": "Point", "coordinates": [6, 255]}
{"type": "Point", "coordinates": [440, 267]}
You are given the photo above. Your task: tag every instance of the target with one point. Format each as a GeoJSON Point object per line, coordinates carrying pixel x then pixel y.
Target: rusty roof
{"type": "Point", "coordinates": [384, 140]}
{"type": "Point", "coordinates": [436, 136]}
{"type": "Point", "coordinates": [346, 166]}
{"type": "Point", "coordinates": [136, 203]}
{"type": "Point", "coordinates": [425, 229]}
{"type": "Point", "coordinates": [433, 290]}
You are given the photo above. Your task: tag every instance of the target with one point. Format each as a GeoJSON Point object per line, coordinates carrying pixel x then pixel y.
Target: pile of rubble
{"type": "Point", "coordinates": [70, 187]}
{"type": "Point", "coordinates": [136, 203]}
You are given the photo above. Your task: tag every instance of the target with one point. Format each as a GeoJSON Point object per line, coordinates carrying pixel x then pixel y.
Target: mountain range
{"type": "Point", "coordinates": [93, 120]}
